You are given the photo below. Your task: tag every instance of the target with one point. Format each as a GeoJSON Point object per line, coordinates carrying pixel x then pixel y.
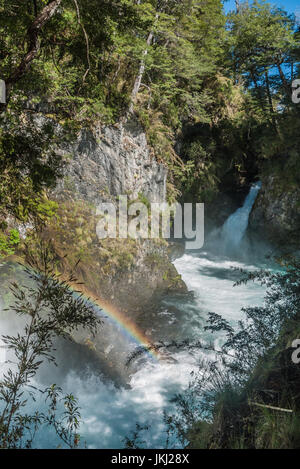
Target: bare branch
{"type": "Point", "coordinates": [86, 40]}
{"type": "Point", "coordinates": [33, 42]}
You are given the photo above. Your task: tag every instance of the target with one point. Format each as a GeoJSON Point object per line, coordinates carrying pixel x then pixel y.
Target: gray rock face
{"type": "Point", "coordinates": [276, 214]}
{"type": "Point", "coordinates": [113, 161]}
{"type": "Point", "coordinates": [101, 165]}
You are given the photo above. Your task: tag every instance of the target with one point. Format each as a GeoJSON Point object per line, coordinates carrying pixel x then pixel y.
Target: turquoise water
{"type": "Point", "coordinates": [109, 412]}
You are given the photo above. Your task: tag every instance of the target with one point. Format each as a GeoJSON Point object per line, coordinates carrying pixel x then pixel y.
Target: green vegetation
{"type": "Point", "coordinates": [50, 310]}
{"type": "Point", "coordinates": [219, 84]}
{"type": "Point", "coordinates": [213, 93]}
{"type": "Point", "coordinates": [8, 243]}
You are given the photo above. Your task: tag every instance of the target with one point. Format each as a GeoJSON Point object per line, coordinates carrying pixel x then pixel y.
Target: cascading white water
{"type": "Point", "coordinates": [109, 413]}
{"type": "Point", "coordinates": [236, 225]}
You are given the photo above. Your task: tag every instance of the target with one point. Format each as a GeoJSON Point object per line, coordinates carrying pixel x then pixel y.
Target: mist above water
{"type": "Point", "coordinates": [109, 412]}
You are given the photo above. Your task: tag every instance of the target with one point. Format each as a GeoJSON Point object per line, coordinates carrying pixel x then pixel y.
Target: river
{"type": "Point", "coordinates": [109, 412]}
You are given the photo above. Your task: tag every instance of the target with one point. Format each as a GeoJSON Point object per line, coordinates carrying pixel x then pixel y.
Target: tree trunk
{"type": "Point", "coordinates": [283, 79]}
{"type": "Point", "coordinates": [33, 43]}
{"type": "Point", "coordinates": [268, 91]}
{"type": "Point", "coordinates": [138, 80]}
{"type": "Point", "coordinates": [270, 100]}
{"type": "Point", "coordinates": [257, 90]}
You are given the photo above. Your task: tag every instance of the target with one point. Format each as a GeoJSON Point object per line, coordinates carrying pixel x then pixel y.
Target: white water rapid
{"type": "Point", "coordinates": [109, 413]}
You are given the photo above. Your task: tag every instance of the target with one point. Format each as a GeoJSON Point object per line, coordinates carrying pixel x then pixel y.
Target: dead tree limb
{"type": "Point", "coordinates": [33, 43]}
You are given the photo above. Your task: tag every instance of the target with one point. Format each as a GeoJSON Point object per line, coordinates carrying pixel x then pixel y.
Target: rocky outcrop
{"type": "Point", "coordinates": [111, 161]}
{"type": "Point", "coordinates": [276, 213]}
{"type": "Point", "coordinates": [126, 275]}
{"type": "Point", "coordinates": [102, 164]}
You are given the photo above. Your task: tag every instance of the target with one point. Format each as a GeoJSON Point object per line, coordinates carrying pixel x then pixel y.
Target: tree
{"type": "Point", "coordinates": [29, 167]}
{"type": "Point", "coordinates": [50, 309]}
{"type": "Point", "coordinates": [33, 46]}
{"type": "Point", "coordinates": [262, 38]}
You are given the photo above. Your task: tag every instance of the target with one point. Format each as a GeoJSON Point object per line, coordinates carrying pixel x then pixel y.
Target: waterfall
{"type": "Point", "coordinates": [236, 225]}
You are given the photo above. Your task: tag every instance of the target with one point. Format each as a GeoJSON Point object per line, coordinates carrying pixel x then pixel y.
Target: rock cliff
{"type": "Point", "coordinates": [276, 213]}
{"type": "Point", "coordinates": [111, 161]}
{"type": "Point", "coordinates": [102, 164]}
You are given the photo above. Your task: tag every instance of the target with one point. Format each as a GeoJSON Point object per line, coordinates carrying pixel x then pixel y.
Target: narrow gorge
{"type": "Point", "coordinates": [135, 340]}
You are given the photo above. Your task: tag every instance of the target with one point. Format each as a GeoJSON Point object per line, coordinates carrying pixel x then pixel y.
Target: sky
{"type": "Point", "coordinates": [292, 6]}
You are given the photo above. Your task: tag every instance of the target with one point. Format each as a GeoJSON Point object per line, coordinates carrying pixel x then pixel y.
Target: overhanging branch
{"type": "Point", "coordinates": [33, 43]}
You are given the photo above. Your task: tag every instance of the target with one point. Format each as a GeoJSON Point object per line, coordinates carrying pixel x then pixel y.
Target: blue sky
{"type": "Point", "coordinates": [289, 5]}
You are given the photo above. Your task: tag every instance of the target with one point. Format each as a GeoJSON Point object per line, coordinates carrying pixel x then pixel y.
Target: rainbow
{"type": "Point", "coordinates": [129, 328]}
